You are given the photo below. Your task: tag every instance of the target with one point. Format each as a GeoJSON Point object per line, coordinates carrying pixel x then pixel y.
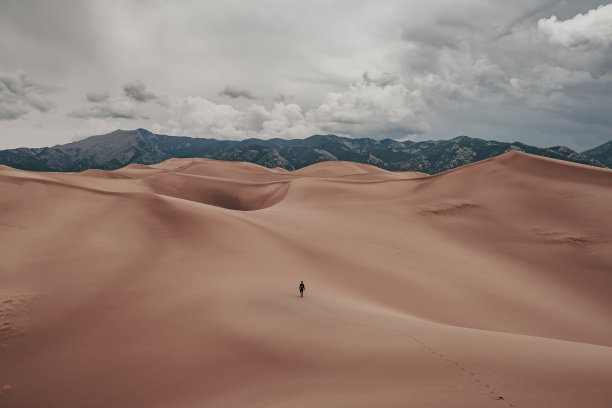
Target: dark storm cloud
{"type": "Point", "coordinates": [137, 91]}
{"type": "Point", "coordinates": [234, 93]}
{"type": "Point", "coordinates": [20, 94]}
{"type": "Point", "coordinates": [515, 60]}
{"type": "Point", "coordinates": [96, 97]}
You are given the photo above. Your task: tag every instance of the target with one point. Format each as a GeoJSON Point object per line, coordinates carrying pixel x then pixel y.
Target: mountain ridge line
{"type": "Point", "coordinates": [122, 147]}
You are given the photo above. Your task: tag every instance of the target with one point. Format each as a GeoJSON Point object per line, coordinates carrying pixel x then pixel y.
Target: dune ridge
{"type": "Point", "coordinates": [174, 285]}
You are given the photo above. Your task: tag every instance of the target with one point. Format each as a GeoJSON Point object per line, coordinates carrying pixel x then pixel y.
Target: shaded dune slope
{"type": "Point", "coordinates": [174, 285]}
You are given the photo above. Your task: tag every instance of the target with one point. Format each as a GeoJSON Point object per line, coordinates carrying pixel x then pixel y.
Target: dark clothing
{"type": "Point", "coordinates": [302, 287]}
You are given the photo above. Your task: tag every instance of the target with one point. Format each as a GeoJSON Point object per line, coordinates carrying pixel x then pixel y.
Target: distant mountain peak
{"type": "Point", "coordinates": [601, 153]}
{"type": "Point", "coordinates": [462, 137]}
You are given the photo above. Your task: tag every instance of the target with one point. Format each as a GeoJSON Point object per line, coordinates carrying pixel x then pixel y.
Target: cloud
{"type": "Point", "coordinates": [591, 29]}
{"type": "Point", "coordinates": [382, 80]}
{"type": "Point", "coordinates": [547, 68]}
{"type": "Point", "coordinates": [199, 117]}
{"type": "Point", "coordinates": [96, 97]}
{"type": "Point", "coordinates": [449, 64]}
{"type": "Point", "coordinates": [525, 17]}
{"type": "Point", "coordinates": [137, 91]}
{"type": "Point", "coordinates": [234, 93]}
{"type": "Point", "coordinates": [122, 107]}
{"type": "Point", "coordinates": [377, 107]}
{"type": "Point", "coordinates": [20, 94]}
{"type": "Point", "coordinates": [196, 116]}
{"type": "Point", "coordinates": [113, 109]}
{"type": "Point", "coordinates": [11, 111]}
{"type": "Point", "coordinates": [287, 121]}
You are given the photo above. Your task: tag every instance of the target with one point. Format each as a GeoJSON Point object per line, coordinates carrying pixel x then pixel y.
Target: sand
{"type": "Point", "coordinates": [175, 285]}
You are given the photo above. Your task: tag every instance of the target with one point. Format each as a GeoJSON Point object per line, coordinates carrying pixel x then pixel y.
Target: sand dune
{"type": "Point", "coordinates": [175, 285]}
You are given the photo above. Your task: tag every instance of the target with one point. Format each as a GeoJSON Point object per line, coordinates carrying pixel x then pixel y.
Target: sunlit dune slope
{"type": "Point", "coordinates": [175, 285]}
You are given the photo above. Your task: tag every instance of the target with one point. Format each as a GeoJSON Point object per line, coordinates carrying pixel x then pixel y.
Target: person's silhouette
{"type": "Point", "coordinates": [302, 288]}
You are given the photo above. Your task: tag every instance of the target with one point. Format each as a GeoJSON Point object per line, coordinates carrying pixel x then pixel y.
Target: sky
{"type": "Point", "coordinates": [538, 72]}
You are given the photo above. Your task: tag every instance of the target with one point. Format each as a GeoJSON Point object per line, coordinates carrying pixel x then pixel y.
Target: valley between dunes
{"type": "Point", "coordinates": [175, 285]}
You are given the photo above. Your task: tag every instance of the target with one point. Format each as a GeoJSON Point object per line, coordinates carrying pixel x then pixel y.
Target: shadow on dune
{"type": "Point", "coordinates": [232, 195]}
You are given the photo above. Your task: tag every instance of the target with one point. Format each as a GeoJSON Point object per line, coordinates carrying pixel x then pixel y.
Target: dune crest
{"type": "Point", "coordinates": [175, 285]}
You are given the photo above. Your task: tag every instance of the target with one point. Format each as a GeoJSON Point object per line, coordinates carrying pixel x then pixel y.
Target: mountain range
{"type": "Point", "coordinates": [122, 147]}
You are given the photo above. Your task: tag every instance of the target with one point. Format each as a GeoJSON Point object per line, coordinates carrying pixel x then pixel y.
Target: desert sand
{"type": "Point", "coordinates": [175, 285]}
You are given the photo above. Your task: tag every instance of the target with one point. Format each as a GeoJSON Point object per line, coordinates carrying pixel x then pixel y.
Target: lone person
{"type": "Point", "coordinates": [302, 288]}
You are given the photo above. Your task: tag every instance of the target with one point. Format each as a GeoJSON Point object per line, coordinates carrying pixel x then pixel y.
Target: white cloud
{"type": "Point", "coordinates": [591, 29]}
{"type": "Point", "coordinates": [375, 107]}
{"type": "Point", "coordinates": [287, 121]}
{"type": "Point", "coordinates": [196, 116]}
{"type": "Point", "coordinates": [369, 109]}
